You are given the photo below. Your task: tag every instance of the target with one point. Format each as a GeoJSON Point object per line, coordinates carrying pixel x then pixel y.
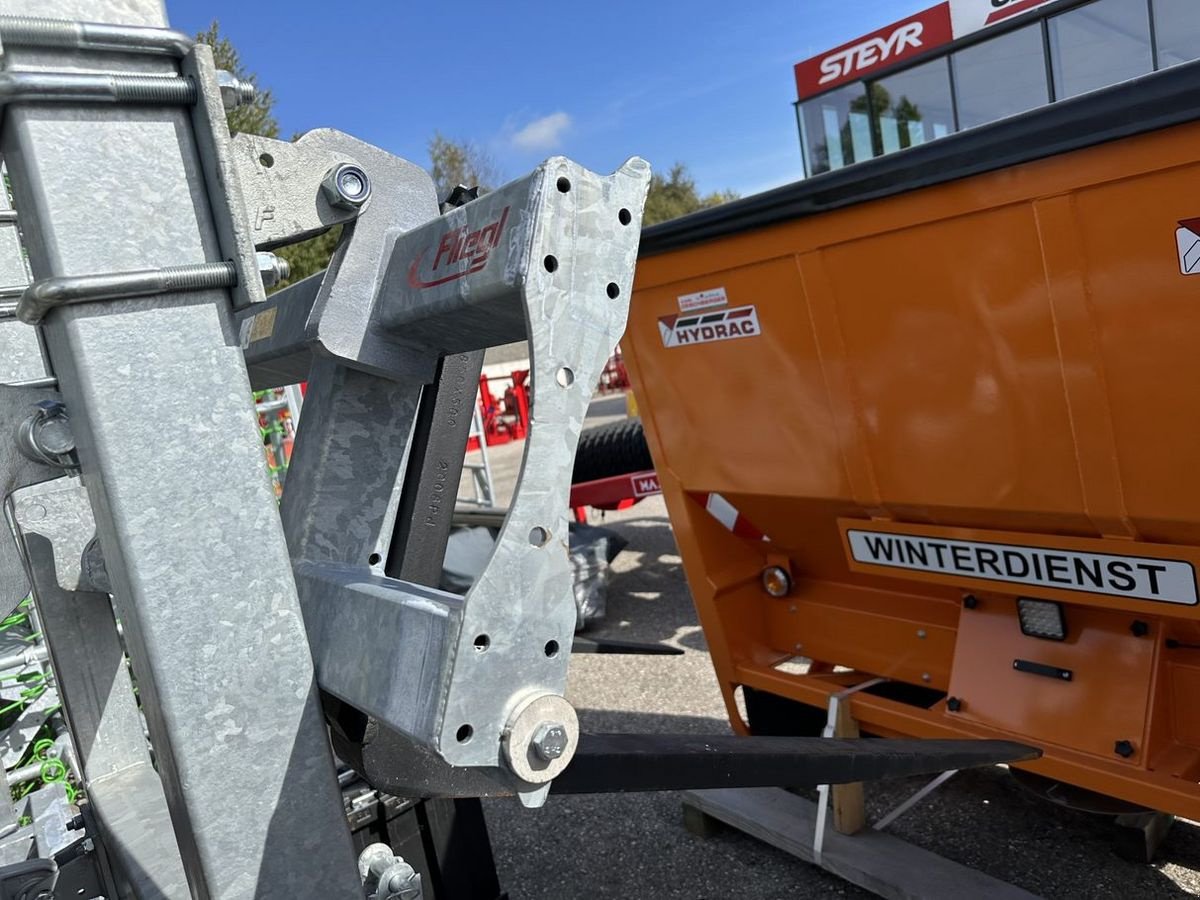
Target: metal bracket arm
{"type": "Point", "coordinates": [471, 679]}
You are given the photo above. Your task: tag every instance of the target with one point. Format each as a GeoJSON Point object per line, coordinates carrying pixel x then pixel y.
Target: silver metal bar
{"type": "Point", "coordinates": [29, 657]}
{"type": "Point", "coordinates": [48, 293]}
{"type": "Point", "coordinates": [200, 571]}
{"type": "Point", "coordinates": [67, 87]}
{"type": "Point", "coordinates": [34, 31]}
{"type": "Point", "coordinates": [916, 798]}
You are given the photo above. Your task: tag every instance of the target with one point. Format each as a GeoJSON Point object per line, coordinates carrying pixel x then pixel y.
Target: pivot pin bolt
{"type": "Point", "coordinates": [346, 186]}
{"type": "Point", "coordinates": [550, 741]}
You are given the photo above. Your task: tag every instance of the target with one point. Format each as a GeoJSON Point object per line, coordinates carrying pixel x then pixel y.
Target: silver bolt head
{"type": "Point", "coordinates": [234, 91]}
{"type": "Point", "coordinates": [272, 268]}
{"type": "Point", "coordinates": [550, 741]}
{"type": "Point", "coordinates": [53, 436]}
{"type": "Point", "coordinates": [346, 186]}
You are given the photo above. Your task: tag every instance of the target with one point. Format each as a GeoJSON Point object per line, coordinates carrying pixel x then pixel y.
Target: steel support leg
{"type": "Point", "coordinates": [193, 543]}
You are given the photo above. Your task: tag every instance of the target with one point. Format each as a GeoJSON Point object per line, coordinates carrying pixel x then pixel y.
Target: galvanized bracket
{"type": "Point", "coordinates": [469, 679]}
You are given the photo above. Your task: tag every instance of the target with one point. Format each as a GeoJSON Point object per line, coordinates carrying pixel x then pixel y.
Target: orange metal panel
{"type": "Point", "coordinates": [1010, 354]}
{"type": "Point", "coordinates": [1105, 701]}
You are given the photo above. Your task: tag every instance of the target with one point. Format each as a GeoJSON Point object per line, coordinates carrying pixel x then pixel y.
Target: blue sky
{"type": "Point", "coordinates": [705, 83]}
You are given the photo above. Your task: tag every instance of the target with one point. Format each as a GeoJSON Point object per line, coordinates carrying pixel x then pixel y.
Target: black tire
{"type": "Point", "coordinates": [618, 448]}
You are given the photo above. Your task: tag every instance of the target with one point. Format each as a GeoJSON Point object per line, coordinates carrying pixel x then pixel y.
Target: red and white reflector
{"type": "Point", "coordinates": [727, 514]}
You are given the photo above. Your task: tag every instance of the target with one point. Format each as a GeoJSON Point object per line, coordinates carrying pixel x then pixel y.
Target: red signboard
{"type": "Point", "coordinates": [1006, 9]}
{"type": "Point", "coordinates": [897, 42]}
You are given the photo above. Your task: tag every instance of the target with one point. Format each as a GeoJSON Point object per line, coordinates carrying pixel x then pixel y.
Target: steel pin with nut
{"type": "Point", "coordinates": [273, 269]}
{"type": "Point", "coordinates": [346, 186]}
{"type": "Point", "coordinates": [234, 91]}
{"type": "Point", "coordinates": [550, 741]}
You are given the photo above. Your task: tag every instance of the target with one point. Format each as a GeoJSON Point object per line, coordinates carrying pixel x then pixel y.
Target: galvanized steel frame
{"type": "Point", "coordinates": [116, 189]}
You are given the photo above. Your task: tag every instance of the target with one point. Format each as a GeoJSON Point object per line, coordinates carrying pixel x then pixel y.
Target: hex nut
{"type": "Point", "coordinates": [272, 268]}
{"type": "Point", "coordinates": [550, 741]}
{"type": "Point", "coordinates": [234, 91]}
{"type": "Point", "coordinates": [346, 186]}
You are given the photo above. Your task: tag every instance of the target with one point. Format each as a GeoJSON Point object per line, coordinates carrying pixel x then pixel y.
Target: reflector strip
{"type": "Point", "coordinates": [727, 514]}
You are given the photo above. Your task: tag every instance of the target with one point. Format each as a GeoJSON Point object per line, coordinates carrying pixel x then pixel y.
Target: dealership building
{"type": "Point", "coordinates": [965, 63]}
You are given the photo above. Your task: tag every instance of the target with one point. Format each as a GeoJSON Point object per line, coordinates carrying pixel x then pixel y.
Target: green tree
{"type": "Point", "coordinates": [455, 162]}
{"type": "Point", "coordinates": [675, 194]}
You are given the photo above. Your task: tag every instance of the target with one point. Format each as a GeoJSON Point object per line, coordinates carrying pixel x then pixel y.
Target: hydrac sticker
{"type": "Point", "coordinates": [726, 325]}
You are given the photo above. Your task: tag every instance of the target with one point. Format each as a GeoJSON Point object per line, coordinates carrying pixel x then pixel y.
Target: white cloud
{"type": "Point", "coordinates": [544, 133]}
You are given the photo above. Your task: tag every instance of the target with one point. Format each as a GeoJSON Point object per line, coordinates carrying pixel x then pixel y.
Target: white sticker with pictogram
{"type": "Point", "coordinates": [1187, 238]}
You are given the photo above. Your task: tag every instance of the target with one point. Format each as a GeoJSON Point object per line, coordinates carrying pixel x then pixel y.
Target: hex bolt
{"type": "Point", "coordinates": [272, 268]}
{"type": "Point", "coordinates": [1139, 628]}
{"type": "Point", "coordinates": [550, 741]}
{"type": "Point", "coordinates": [45, 436]}
{"type": "Point", "coordinates": [921, 633]}
{"type": "Point", "coordinates": [954, 704]}
{"type": "Point", "coordinates": [234, 91]}
{"type": "Point", "coordinates": [1123, 749]}
{"type": "Point", "coordinates": [346, 186]}
{"type": "Point", "coordinates": [970, 601]}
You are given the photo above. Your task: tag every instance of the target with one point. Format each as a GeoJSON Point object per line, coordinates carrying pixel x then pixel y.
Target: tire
{"type": "Point", "coordinates": [618, 448]}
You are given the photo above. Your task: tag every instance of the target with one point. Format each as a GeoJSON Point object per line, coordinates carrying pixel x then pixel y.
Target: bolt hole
{"type": "Point", "coordinates": [565, 377]}
{"type": "Point", "coordinates": [374, 559]}
{"type": "Point", "coordinates": [551, 263]}
{"type": "Point", "coordinates": [266, 159]}
{"type": "Point", "coordinates": [482, 642]}
{"type": "Point", "coordinates": [551, 649]}
{"type": "Point", "coordinates": [464, 734]}
{"type": "Point", "coordinates": [625, 216]}
{"type": "Point", "coordinates": [613, 290]}
{"type": "Point", "coordinates": [564, 184]}
{"type": "Point", "coordinates": [538, 536]}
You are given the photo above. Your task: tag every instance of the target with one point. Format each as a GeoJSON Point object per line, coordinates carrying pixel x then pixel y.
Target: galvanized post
{"type": "Point", "coordinates": [193, 543]}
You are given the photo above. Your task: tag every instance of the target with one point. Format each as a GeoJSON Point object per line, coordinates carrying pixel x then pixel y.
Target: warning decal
{"type": "Point", "coordinates": [1130, 577]}
{"type": "Point", "coordinates": [726, 325]}
{"type": "Point", "coordinates": [1187, 236]}
{"type": "Point", "coordinates": [702, 300]}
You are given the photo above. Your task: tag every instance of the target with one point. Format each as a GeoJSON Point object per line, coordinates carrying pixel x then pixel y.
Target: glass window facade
{"type": "Point", "coordinates": [837, 129]}
{"type": "Point", "coordinates": [1058, 55]}
{"type": "Point", "coordinates": [1177, 27]}
{"type": "Point", "coordinates": [1098, 44]}
{"type": "Point", "coordinates": [1001, 77]}
{"type": "Point", "coordinates": [913, 106]}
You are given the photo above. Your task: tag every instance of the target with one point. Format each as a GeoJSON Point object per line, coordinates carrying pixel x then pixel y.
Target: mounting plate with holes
{"type": "Point", "coordinates": [528, 261]}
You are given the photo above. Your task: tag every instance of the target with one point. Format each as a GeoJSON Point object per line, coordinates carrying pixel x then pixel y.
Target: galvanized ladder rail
{"type": "Point", "coordinates": [200, 572]}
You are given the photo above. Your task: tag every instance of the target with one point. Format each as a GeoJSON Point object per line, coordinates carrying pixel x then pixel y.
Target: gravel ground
{"type": "Point", "coordinates": [636, 846]}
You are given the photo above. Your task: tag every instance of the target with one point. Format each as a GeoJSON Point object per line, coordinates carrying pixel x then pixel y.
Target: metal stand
{"type": "Point", "coordinates": [481, 472]}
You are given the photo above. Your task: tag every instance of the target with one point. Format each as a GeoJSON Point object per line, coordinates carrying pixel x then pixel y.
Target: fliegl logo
{"type": "Point", "coordinates": [460, 253]}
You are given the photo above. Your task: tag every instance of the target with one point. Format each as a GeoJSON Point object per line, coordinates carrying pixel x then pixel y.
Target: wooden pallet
{"type": "Point", "coordinates": [878, 862]}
